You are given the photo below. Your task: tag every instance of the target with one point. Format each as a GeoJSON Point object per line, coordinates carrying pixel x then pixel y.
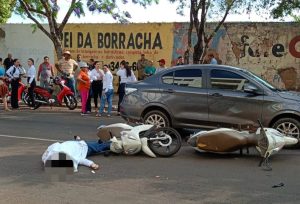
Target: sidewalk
{"type": "Point", "coordinates": [64, 108]}
{"type": "Point", "coordinates": [114, 103]}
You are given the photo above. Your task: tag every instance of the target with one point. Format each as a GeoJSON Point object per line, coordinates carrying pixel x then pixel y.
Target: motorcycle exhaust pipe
{"type": "Point", "coordinates": [41, 101]}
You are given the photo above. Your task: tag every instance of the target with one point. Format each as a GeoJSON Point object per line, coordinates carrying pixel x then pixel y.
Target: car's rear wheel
{"type": "Point", "coordinates": [158, 118]}
{"type": "Point", "coordinates": [288, 126]}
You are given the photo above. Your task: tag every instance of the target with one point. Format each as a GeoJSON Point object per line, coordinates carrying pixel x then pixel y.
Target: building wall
{"type": "Point", "coordinates": [271, 50]}
{"type": "Point", "coordinates": [23, 43]}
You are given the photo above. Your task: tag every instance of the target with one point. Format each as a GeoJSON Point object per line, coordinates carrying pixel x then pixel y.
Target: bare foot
{"type": "Point", "coordinates": [94, 166]}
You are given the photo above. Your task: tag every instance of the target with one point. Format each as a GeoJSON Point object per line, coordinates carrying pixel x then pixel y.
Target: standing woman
{"type": "Point", "coordinates": [31, 81]}
{"type": "Point", "coordinates": [14, 74]}
{"type": "Point", "coordinates": [83, 85]}
{"type": "Point", "coordinates": [126, 75]}
{"type": "Point", "coordinates": [97, 84]}
{"type": "Point", "coordinates": [107, 92]}
{"type": "Point", "coordinates": [3, 87]}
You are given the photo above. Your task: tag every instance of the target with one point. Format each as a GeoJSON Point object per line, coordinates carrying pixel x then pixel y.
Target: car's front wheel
{"type": "Point", "coordinates": [288, 126]}
{"type": "Point", "coordinates": [157, 117]}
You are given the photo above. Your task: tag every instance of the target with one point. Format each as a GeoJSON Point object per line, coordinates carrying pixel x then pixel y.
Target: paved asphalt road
{"type": "Point", "coordinates": [187, 177]}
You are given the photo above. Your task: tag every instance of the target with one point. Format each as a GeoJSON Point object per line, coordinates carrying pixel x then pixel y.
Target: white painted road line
{"type": "Point", "coordinates": [30, 138]}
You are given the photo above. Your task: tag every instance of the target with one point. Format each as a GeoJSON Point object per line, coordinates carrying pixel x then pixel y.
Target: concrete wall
{"type": "Point", "coordinates": [271, 50]}
{"type": "Point", "coordinates": [23, 43]}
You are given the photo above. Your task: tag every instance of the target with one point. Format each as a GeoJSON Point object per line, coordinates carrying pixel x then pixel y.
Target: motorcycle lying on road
{"type": "Point", "coordinates": [267, 141]}
{"type": "Point", "coordinates": [152, 140]}
{"type": "Point", "coordinates": [44, 95]}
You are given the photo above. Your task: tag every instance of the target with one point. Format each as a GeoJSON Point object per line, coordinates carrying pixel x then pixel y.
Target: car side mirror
{"type": "Point", "coordinates": [248, 88]}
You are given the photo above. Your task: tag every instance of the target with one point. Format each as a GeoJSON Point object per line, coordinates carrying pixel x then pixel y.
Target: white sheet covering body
{"type": "Point", "coordinates": [76, 150]}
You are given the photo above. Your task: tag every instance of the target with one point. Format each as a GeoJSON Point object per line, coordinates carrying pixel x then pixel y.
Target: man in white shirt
{"type": "Point", "coordinates": [162, 65]}
{"type": "Point", "coordinates": [69, 66]}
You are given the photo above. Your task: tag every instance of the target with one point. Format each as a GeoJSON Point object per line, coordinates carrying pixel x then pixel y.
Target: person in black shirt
{"type": "Point", "coordinates": [179, 61]}
{"type": "Point", "coordinates": [8, 62]}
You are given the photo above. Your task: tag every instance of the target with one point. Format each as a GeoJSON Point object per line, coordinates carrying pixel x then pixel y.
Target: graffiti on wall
{"type": "Point", "coordinates": [271, 50]}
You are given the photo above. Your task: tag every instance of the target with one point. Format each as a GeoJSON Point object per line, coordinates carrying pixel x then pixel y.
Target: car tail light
{"type": "Point", "coordinates": [129, 90]}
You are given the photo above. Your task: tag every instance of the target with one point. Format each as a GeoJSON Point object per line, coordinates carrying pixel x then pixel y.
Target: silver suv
{"type": "Point", "coordinates": [211, 96]}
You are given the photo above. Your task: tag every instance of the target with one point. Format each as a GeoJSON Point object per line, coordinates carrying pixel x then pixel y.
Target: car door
{"type": "Point", "coordinates": [228, 104]}
{"type": "Point", "coordinates": [186, 96]}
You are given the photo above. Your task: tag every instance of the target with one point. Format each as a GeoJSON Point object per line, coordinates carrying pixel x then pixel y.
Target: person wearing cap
{"type": "Point", "coordinates": [162, 65]}
{"type": "Point", "coordinates": [83, 85]}
{"type": "Point", "coordinates": [68, 66]}
{"type": "Point", "coordinates": [141, 65]}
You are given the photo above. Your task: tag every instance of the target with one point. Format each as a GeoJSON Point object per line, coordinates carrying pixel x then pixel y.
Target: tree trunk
{"type": "Point", "coordinates": [198, 50]}
{"type": "Point", "coordinates": [58, 48]}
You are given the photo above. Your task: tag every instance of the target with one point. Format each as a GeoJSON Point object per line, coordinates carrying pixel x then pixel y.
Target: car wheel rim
{"type": "Point", "coordinates": [289, 129]}
{"type": "Point", "coordinates": [157, 120]}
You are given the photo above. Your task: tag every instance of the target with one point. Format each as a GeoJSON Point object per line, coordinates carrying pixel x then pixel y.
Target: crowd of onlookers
{"type": "Point", "coordinates": [87, 80]}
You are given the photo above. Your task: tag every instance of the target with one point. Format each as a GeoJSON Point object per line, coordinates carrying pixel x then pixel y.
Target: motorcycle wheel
{"type": "Point", "coordinates": [70, 102]}
{"type": "Point", "coordinates": [164, 141]}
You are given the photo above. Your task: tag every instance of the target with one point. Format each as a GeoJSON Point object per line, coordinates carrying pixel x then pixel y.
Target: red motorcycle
{"type": "Point", "coordinates": [44, 96]}
{"type": "Point", "coordinates": [21, 93]}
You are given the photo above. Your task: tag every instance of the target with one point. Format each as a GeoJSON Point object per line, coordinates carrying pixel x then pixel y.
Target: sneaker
{"type": "Point", "coordinates": [83, 114]}
{"type": "Point", "coordinates": [108, 115]}
{"type": "Point", "coordinates": [98, 115]}
{"type": "Point", "coordinates": [88, 112]}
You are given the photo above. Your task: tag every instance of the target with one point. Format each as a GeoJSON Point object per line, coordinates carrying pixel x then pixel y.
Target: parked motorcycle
{"type": "Point", "coordinates": [152, 140]}
{"type": "Point", "coordinates": [267, 141]}
{"type": "Point", "coordinates": [21, 93]}
{"type": "Point", "coordinates": [44, 96]}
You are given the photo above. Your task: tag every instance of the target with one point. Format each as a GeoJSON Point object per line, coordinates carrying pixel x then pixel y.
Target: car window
{"type": "Point", "coordinates": [168, 78]}
{"type": "Point", "coordinates": [188, 78]}
{"type": "Point", "coordinates": [222, 79]}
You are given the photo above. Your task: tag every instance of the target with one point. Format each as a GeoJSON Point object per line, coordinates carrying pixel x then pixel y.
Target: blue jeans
{"type": "Point", "coordinates": [95, 147]}
{"type": "Point", "coordinates": [108, 96]}
{"type": "Point", "coordinates": [70, 82]}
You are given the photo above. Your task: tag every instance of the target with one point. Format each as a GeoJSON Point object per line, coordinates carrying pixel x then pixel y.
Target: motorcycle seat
{"type": "Point", "coordinates": [224, 140]}
{"type": "Point", "coordinates": [46, 89]}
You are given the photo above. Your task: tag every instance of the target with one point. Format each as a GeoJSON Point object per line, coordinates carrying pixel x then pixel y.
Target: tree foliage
{"type": "Point", "coordinates": [283, 8]}
{"type": "Point", "coordinates": [6, 9]}
{"type": "Point", "coordinates": [47, 10]}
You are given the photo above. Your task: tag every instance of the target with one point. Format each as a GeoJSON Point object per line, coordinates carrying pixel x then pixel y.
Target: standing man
{"type": "Point", "coordinates": [45, 72]}
{"type": "Point", "coordinates": [69, 66]}
{"type": "Point", "coordinates": [162, 65]}
{"type": "Point", "coordinates": [8, 62]}
{"type": "Point", "coordinates": [141, 65]}
{"type": "Point", "coordinates": [212, 59]}
{"type": "Point", "coordinates": [79, 58]}
{"type": "Point", "coordinates": [179, 61]}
